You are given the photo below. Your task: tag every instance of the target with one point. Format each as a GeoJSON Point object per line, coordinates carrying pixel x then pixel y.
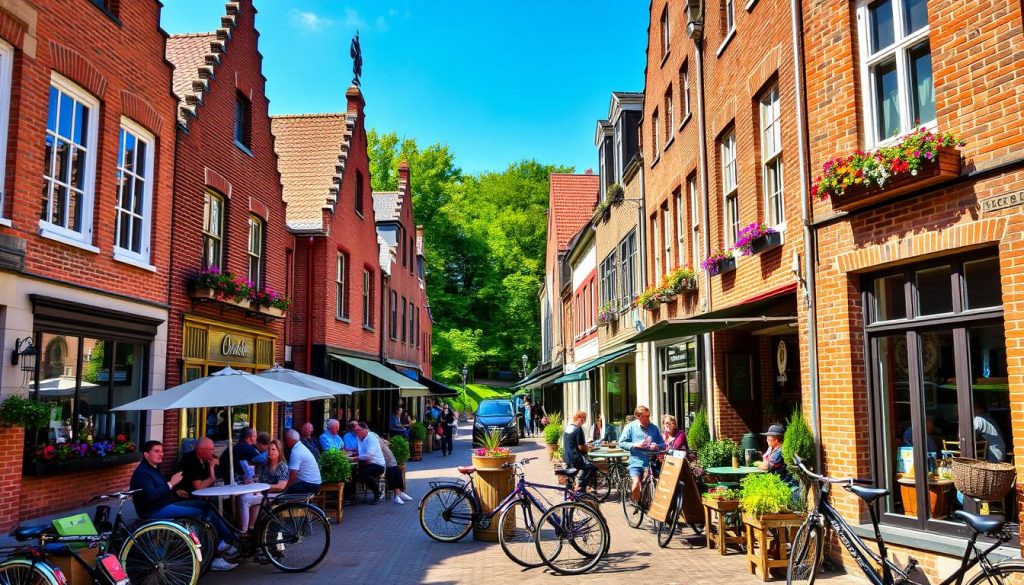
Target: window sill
{"type": "Point", "coordinates": [57, 237]}
{"type": "Point", "coordinates": [686, 120]}
{"type": "Point", "coordinates": [928, 541]}
{"type": "Point", "coordinates": [725, 43]}
{"type": "Point", "coordinates": [932, 126]}
{"type": "Point", "coordinates": [360, 214]}
{"type": "Point", "coordinates": [664, 58]}
{"type": "Point", "coordinates": [38, 469]}
{"type": "Point", "coordinates": [368, 328]}
{"type": "Point", "coordinates": [342, 319]}
{"type": "Point", "coordinates": [657, 157]}
{"type": "Point", "coordinates": [671, 140]}
{"type": "Point", "coordinates": [750, 5]}
{"type": "Point", "coordinates": [243, 148]}
{"type": "Point", "coordinates": [5, 222]}
{"type": "Point", "coordinates": [121, 256]}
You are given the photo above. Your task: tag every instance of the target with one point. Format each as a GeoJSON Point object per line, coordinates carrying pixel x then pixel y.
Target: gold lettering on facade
{"type": "Point", "coordinates": [234, 348]}
{"type": "Point", "coordinates": [998, 202]}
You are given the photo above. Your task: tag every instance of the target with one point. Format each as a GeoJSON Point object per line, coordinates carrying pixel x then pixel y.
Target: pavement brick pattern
{"type": "Point", "coordinates": [385, 544]}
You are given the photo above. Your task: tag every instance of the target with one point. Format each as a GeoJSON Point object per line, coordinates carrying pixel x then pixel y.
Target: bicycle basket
{"type": "Point", "coordinates": [983, 480]}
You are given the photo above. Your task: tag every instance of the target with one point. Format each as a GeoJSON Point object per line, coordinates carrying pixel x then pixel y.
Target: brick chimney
{"type": "Point", "coordinates": [588, 172]}
{"type": "Point", "coordinates": [356, 103]}
{"type": "Point", "coordinates": [403, 178]}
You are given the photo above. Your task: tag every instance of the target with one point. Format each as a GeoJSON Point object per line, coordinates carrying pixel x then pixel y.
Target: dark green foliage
{"type": "Point", "coordinates": [399, 448]}
{"type": "Point", "coordinates": [24, 412]}
{"type": "Point", "coordinates": [717, 453]}
{"type": "Point", "coordinates": [699, 434]}
{"type": "Point", "coordinates": [417, 431]}
{"type": "Point", "coordinates": [765, 493]}
{"type": "Point", "coordinates": [335, 466]}
{"type": "Point", "coordinates": [798, 439]}
{"type": "Point", "coordinates": [553, 434]}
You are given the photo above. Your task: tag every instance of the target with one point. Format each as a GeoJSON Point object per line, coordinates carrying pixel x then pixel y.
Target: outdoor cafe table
{"type": "Point", "coordinates": [736, 471]}
{"type": "Point", "coordinates": [608, 454]}
{"type": "Point", "coordinates": [225, 491]}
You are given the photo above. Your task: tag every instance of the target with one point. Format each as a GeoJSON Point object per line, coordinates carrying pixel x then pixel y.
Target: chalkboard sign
{"type": "Point", "coordinates": [739, 377]}
{"type": "Point", "coordinates": [665, 493]}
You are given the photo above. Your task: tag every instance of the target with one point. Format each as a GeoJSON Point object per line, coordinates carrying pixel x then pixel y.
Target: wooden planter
{"type": "Point", "coordinates": [552, 447]}
{"type": "Point", "coordinates": [767, 539]}
{"type": "Point", "coordinates": [687, 285]}
{"type": "Point", "coordinates": [416, 451]}
{"type": "Point", "coordinates": [208, 294]}
{"type": "Point", "coordinates": [938, 497]}
{"type": "Point", "coordinates": [944, 168]}
{"type": "Point", "coordinates": [270, 312]}
{"type": "Point", "coordinates": [765, 242]}
{"type": "Point", "coordinates": [717, 530]}
{"type": "Point", "coordinates": [54, 468]}
{"type": "Point", "coordinates": [331, 499]}
{"type": "Point", "coordinates": [492, 483]}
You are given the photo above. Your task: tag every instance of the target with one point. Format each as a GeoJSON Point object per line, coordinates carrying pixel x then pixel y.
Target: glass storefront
{"type": "Point", "coordinates": [681, 394]}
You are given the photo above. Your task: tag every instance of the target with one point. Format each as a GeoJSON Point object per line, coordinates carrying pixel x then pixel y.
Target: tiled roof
{"type": "Point", "coordinates": [572, 200]}
{"type": "Point", "coordinates": [312, 150]}
{"type": "Point", "coordinates": [194, 56]}
{"type": "Point", "coordinates": [387, 205]}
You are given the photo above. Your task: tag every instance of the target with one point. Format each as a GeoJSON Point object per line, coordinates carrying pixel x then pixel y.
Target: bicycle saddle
{"type": "Point", "coordinates": [23, 533]}
{"type": "Point", "coordinates": [867, 494]}
{"type": "Point", "coordinates": [567, 472]}
{"type": "Point", "coordinates": [467, 470]}
{"type": "Point", "coordinates": [982, 524]}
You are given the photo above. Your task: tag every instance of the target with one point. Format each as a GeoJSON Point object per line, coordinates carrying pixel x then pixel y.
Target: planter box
{"type": "Point", "coordinates": [415, 450]}
{"type": "Point", "coordinates": [492, 483]}
{"type": "Point", "coordinates": [768, 539]}
{"type": "Point", "coordinates": [765, 242]}
{"type": "Point", "coordinates": [270, 312]}
{"type": "Point", "coordinates": [724, 265]}
{"type": "Point", "coordinates": [331, 499]}
{"type": "Point", "coordinates": [720, 531]}
{"type": "Point", "coordinates": [721, 505]}
{"type": "Point", "coordinates": [687, 285]}
{"type": "Point", "coordinates": [208, 294]}
{"type": "Point", "coordinates": [74, 465]}
{"type": "Point", "coordinates": [944, 168]}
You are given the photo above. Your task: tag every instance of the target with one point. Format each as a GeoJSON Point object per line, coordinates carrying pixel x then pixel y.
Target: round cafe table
{"type": "Point", "coordinates": [606, 455]}
{"type": "Point", "coordinates": [737, 471]}
{"type": "Point", "coordinates": [226, 491]}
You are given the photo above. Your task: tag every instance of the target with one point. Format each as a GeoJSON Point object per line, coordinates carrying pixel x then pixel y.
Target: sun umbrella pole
{"type": "Point", "coordinates": [231, 447]}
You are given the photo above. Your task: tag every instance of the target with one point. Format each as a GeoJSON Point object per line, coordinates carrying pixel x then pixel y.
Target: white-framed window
{"type": "Point", "coordinates": [213, 229]}
{"type": "Point", "coordinates": [670, 114]}
{"type": "Point", "coordinates": [666, 36]}
{"type": "Point", "coordinates": [656, 246]}
{"type": "Point", "coordinates": [691, 187]}
{"type": "Point", "coordinates": [254, 250]}
{"type": "Point", "coordinates": [627, 269]}
{"type": "Point", "coordinates": [603, 169]}
{"type": "Point", "coordinates": [69, 167]}
{"type": "Point", "coordinates": [6, 69]}
{"type": "Point", "coordinates": [896, 67]}
{"type": "Point", "coordinates": [134, 207]}
{"type": "Point", "coordinates": [730, 15]}
{"type": "Point", "coordinates": [684, 82]}
{"type": "Point", "coordinates": [617, 154]}
{"type": "Point", "coordinates": [666, 223]}
{"type": "Point", "coordinates": [656, 131]}
{"type": "Point", "coordinates": [341, 287]}
{"type": "Point", "coordinates": [608, 291]}
{"type": "Point", "coordinates": [368, 299]}
{"type": "Point", "coordinates": [680, 227]}
{"type": "Point", "coordinates": [731, 218]}
{"type": "Point", "coordinates": [771, 158]}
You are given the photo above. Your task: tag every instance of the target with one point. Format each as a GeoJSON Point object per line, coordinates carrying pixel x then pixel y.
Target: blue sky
{"type": "Point", "coordinates": [498, 82]}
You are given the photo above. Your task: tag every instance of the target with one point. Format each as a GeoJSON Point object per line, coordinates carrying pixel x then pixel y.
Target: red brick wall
{"type": "Point", "coordinates": [12, 449]}
{"type": "Point", "coordinates": [208, 157]}
{"type": "Point", "coordinates": [404, 280]}
{"type": "Point", "coordinates": [74, 38]}
{"type": "Point", "coordinates": [41, 496]}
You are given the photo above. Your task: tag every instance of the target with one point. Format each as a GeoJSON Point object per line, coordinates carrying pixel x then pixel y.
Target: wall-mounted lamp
{"type": "Point", "coordinates": [25, 354]}
{"type": "Point", "coordinates": [695, 19]}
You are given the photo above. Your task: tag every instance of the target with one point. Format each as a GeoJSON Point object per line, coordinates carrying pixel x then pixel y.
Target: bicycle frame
{"type": "Point", "coordinates": [38, 556]}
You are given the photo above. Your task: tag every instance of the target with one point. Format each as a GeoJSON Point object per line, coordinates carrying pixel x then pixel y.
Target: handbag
{"type": "Point", "coordinates": [440, 430]}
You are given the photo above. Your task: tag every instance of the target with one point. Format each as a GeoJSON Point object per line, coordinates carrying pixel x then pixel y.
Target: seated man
{"type": "Point", "coordinates": [157, 501]}
{"type": "Point", "coordinates": [308, 440]}
{"type": "Point", "coordinates": [244, 450]}
{"type": "Point", "coordinates": [303, 470]}
{"type": "Point", "coordinates": [330, 439]}
{"type": "Point", "coordinates": [371, 461]}
{"type": "Point", "coordinates": [395, 426]}
{"type": "Point", "coordinates": [198, 469]}
{"type": "Point", "coordinates": [351, 440]}
{"type": "Point", "coordinates": [574, 445]}
{"type": "Point", "coordinates": [772, 462]}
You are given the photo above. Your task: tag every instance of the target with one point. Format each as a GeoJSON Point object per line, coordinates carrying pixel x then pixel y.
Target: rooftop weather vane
{"type": "Point", "coordinates": [357, 59]}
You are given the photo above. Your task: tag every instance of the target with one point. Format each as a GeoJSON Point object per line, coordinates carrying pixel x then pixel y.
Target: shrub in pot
{"type": "Point", "coordinates": [699, 433]}
{"type": "Point", "coordinates": [765, 493]}
{"type": "Point", "coordinates": [24, 412]}
{"type": "Point", "coordinates": [717, 453]}
{"type": "Point", "coordinates": [798, 440]}
{"type": "Point", "coordinates": [552, 436]}
{"type": "Point", "coordinates": [335, 466]}
{"type": "Point", "coordinates": [400, 449]}
{"type": "Point", "coordinates": [417, 432]}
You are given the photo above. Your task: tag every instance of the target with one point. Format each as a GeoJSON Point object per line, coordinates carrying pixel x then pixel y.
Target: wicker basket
{"type": "Point", "coordinates": [983, 480]}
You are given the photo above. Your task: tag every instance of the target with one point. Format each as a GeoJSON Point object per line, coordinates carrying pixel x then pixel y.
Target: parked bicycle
{"type": "Point", "coordinates": [451, 509]}
{"type": "Point", "coordinates": [30, 564]}
{"type": "Point", "coordinates": [806, 549]}
{"type": "Point", "coordinates": [606, 481]}
{"type": "Point", "coordinates": [636, 509]}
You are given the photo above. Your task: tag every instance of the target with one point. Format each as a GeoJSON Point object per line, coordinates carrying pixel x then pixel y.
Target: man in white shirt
{"type": "Point", "coordinates": [371, 461]}
{"type": "Point", "coordinates": [303, 470]}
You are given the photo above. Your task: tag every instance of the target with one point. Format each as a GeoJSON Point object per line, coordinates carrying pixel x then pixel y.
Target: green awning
{"type": "Point", "coordinates": [571, 377]}
{"type": "Point", "coordinates": [580, 373]}
{"type": "Point", "coordinates": [406, 385]}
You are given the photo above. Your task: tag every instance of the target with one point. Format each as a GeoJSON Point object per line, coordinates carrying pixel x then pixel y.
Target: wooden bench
{"type": "Point", "coordinates": [764, 554]}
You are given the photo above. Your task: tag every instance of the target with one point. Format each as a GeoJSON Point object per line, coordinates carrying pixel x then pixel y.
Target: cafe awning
{"type": "Point", "coordinates": [772, 308]}
{"type": "Point", "coordinates": [580, 373]}
{"type": "Point", "coordinates": [541, 381]}
{"type": "Point", "coordinates": [436, 388]}
{"type": "Point", "coordinates": [407, 387]}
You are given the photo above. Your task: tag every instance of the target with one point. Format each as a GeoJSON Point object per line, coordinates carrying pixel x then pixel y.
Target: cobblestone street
{"type": "Point", "coordinates": [385, 544]}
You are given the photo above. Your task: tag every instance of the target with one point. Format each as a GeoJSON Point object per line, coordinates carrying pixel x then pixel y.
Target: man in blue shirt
{"type": "Point", "coordinates": [641, 438]}
{"type": "Point", "coordinates": [157, 501]}
{"type": "Point", "coordinates": [330, 439]}
{"type": "Point", "coordinates": [351, 439]}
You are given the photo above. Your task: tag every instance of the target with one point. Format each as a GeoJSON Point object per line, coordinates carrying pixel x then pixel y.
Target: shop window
{"type": "Point", "coordinates": [982, 284]}
{"type": "Point", "coordinates": [69, 162]}
{"type": "Point", "coordinates": [213, 230]}
{"type": "Point", "coordinates": [134, 192]}
{"type": "Point", "coordinates": [940, 386]}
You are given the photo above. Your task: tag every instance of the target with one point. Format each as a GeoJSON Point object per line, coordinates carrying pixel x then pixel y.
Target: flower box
{"type": "Point", "coordinates": [765, 242]}
{"type": "Point", "coordinates": [270, 312]}
{"type": "Point", "coordinates": [724, 265]}
{"type": "Point", "coordinates": [721, 505]}
{"type": "Point", "coordinates": [686, 285]}
{"type": "Point", "coordinates": [73, 465]}
{"type": "Point", "coordinates": [945, 167]}
{"type": "Point", "coordinates": [208, 294]}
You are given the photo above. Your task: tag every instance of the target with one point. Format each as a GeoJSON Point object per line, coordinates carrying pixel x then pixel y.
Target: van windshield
{"type": "Point", "coordinates": [497, 408]}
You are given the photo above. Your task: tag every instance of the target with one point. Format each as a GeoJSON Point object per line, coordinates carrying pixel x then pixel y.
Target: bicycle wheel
{"type": "Point", "coordinates": [668, 527]}
{"type": "Point", "coordinates": [446, 514]}
{"type": "Point", "coordinates": [25, 572]}
{"type": "Point", "coordinates": [295, 537]}
{"type": "Point", "coordinates": [516, 529]}
{"type": "Point", "coordinates": [159, 553]}
{"type": "Point", "coordinates": [571, 538]}
{"type": "Point", "coordinates": [1008, 572]}
{"type": "Point", "coordinates": [633, 509]}
{"type": "Point", "coordinates": [804, 554]}
{"type": "Point", "coordinates": [592, 501]}
{"type": "Point", "coordinates": [208, 540]}
{"type": "Point", "coordinates": [602, 485]}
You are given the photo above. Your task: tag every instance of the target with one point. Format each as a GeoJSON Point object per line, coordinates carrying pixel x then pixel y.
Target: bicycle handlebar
{"type": "Point", "coordinates": [114, 496]}
{"type": "Point", "coordinates": [848, 481]}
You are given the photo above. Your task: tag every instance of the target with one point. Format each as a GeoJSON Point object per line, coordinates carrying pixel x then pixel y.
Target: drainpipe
{"type": "Point", "coordinates": [703, 151]}
{"type": "Point", "coordinates": [651, 372]}
{"type": "Point", "coordinates": [309, 314]}
{"type": "Point", "coordinates": [805, 217]}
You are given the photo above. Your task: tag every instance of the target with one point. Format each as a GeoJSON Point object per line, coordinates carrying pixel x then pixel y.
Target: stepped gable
{"type": "Point", "coordinates": [195, 57]}
{"type": "Point", "coordinates": [312, 150]}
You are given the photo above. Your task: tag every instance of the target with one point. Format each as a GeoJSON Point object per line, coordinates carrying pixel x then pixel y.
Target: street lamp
{"type": "Point", "coordinates": [525, 360]}
{"type": "Point", "coordinates": [464, 372]}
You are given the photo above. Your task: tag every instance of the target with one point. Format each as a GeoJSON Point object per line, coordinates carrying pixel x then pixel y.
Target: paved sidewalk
{"type": "Point", "coordinates": [385, 544]}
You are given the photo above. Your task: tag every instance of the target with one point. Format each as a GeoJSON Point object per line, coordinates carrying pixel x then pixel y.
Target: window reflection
{"type": "Point", "coordinates": [934, 290]}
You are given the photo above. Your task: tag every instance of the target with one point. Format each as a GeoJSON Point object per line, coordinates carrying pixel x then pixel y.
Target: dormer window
{"type": "Point", "coordinates": [243, 121]}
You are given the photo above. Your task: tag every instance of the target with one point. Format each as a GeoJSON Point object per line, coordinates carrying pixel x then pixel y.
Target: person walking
{"type": "Point", "coordinates": [446, 426]}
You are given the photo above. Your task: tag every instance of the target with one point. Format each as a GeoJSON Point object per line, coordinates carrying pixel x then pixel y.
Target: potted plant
{"type": "Point", "coordinates": [648, 299]}
{"type": "Point", "coordinates": [681, 279]}
{"type": "Point", "coordinates": [601, 212]}
{"type": "Point", "coordinates": [607, 315]}
{"type": "Point", "coordinates": [335, 470]}
{"type": "Point", "coordinates": [213, 284]}
{"type": "Point", "coordinates": [553, 435]}
{"type": "Point", "coordinates": [431, 425]}
{"type": "Point", "coordinates": [417, 432]}
{"type": "Point", "coordinates": [270, 302]}
{"type": "Point", "coordinates": [717, 453]}
{"type": "Point", "coordinates": [920, 159]}
{"type": "Point", "coordinates": [615, 193]}
{"type": "Point", "coordinates": [722, 499]}
{"type": "Point", "coordinates": [756, 238]}
{"type": "Point", "coordinates": [767, 504]}
{"type": "Point", "coordinates": [558, 462]}
{"type": "Point", "coordinates": [798, 440]}
{"type": "Point", "coordinates": [401, 450]}
{"type": "Point", "coordinates": [719, 262]}
{"type": "Point", "coordinates": [698, 434]}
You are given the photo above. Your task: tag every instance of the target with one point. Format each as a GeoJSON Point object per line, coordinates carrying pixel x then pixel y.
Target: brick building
{"type": "Point", "coordinates": [229, 218]}
{"type": "Point", "coordinates": [920, 284]}
{"type": "Point", "coordinates": [338, 316]}
{"type": "Point", "coordinates": [84, 269]}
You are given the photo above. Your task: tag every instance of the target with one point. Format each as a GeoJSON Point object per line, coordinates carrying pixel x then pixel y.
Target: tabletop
{"type": "Point", "coordinates": [733, 470]}
{"type": "Point", "coordinates": [232, 490]}
{"type": "Point", "coordinates": [608, 454]}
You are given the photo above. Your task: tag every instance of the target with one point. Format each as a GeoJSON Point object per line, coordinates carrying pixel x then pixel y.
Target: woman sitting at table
{"type": "Point", "coordinates": [675, 437]}
{"type": "Point", "coordinates": [395, 426]}
{"type": "Point", "coordinates": [273, 472]}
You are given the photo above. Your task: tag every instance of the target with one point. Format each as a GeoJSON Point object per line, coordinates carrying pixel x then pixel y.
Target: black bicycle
{"type": "Point", "coordinates": [806, 549]}
{"type": "Point", "coordinates": [635, 510]}
{"type": "Point", "coordinates": [30, 564]}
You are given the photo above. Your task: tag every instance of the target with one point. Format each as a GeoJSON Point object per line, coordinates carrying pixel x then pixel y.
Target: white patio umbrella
{"type": "Point", "coordinates": [282, 374]}
{"type": "Point", "coordinates": [228, 387]}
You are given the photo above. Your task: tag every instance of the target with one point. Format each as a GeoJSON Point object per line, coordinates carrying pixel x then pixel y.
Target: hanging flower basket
{"type": "Point", "coordinates": [719, 262]}
{"type": "Point", "coordinates": [756, 238]}
{"type": "Point", "coordinates": [208, 294]}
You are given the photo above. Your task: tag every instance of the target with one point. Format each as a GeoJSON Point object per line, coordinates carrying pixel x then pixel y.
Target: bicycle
{"type": "Point", "coordinates": [450, 510]}
{"type": "Point", "coordinates": [28, 564]}
{"type": "Point", "coordinates": [291, 533]}
{"type": "Point", "coordinates": [636, 509]}
{"type": "Point", "coordinates": [665, 530]}
{"type": "Point", "coordinates": [806, 549]}
{"type": "Point", "coordinates": [604, 481]}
